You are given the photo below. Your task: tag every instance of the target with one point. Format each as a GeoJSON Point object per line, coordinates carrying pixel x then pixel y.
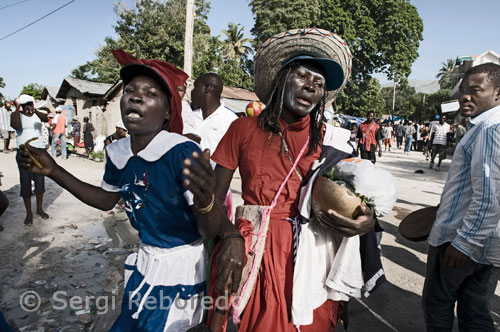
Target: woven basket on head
{"type": "Point", "coordinates": [280, 48]}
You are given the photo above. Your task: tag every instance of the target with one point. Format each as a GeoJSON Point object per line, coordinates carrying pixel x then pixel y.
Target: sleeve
{"type": "Point", "coordinates": [483, 215]}
{"type": "Point", "coordinates": [110, 180]}
{"type": "Point", "coordinates": [228, 151]}
{"type": "Point", "coordinates": [185, 151]}
{"type": "Point", "coordinates": [360, 133]}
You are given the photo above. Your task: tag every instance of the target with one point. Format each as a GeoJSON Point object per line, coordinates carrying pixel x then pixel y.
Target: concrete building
{"type": "Point", "coordinates": [87, 99]}
{"type": "Point", "coordinates": [464, 63]}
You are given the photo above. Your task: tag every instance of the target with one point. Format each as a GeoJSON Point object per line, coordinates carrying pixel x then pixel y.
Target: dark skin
{"type": "Point", "coordinates": [477, 94]}
{"type": "Point", "coordinates": [207, 89]}
{"type": "Point", "coordinates": [118, 134]}
{"type": "Point", "coordinates": [28, 110]}
{"type": "Point", "coordinates": [370, 117]}
{"type": "Point", "coordinates": [304, 90]}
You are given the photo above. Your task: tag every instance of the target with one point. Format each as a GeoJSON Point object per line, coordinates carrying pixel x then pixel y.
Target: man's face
{"type": "Point", "coordinates": [197, 95]}
{"type": "Point", "coordinates": [305, 86]}
{"type": "Point", "coordinates": [477, 94]}
{"type": "Point", "coordinates": [7, 106]}
{"type": "Point", "coordinates": [144, 106]}
{"type": "Point", "coordinates": [370, 116]}
{"type": "Point", "coordinates": [28, 108]}
{"type": "Point", "coordinates": [182, 90]}
{"type": "Point", "coordinates": [443, 119]}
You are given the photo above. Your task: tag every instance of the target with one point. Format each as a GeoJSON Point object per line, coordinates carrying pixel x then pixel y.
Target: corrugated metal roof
{"type": "Point", "coordinates": [88, 87]}
{"type": "Point", "coordinates": [239, 94]}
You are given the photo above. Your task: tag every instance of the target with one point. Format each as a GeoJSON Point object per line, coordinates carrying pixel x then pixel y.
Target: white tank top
{"type": "Point", "coordinates": [32, 127]}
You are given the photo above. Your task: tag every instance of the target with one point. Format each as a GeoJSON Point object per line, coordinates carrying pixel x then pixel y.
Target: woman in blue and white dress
{"type": "Point", "coordinates": [165, 281]}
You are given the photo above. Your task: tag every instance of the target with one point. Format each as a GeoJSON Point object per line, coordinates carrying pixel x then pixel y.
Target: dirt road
{"type": "Point", "coordinates": [73, 261]}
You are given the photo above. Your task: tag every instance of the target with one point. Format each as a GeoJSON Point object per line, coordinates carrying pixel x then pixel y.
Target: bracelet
{"type": "Point", "coordinates": [235, 235]}
{"type": "Point", "coordinates": [207, 209]}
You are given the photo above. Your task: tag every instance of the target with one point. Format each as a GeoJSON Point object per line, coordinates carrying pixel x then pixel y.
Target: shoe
{"type": "Point", "coordinates": [426, 158]}
{"type": "Point", "coordinates": [438, 169]}
{"type": "Point", "coordinates": [431, 165]}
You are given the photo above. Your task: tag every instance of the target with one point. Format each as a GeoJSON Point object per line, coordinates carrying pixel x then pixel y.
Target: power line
{"type": "Point", "coordinates": [13, 4]}
{"type": "Point", "coordinates": [41, 18]}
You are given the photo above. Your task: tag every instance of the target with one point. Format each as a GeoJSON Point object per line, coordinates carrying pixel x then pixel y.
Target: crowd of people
{"type": "Point", "coordinates": [172, 164]}
{"type": "Point", "coordinates": [438, 137]}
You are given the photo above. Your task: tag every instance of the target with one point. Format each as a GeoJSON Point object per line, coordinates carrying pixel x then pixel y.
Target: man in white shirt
{"type": "Point", "coordinates": [215, 118]}
{"type": "Point", "coordinates": [439, 140]}
{"type": "Point", "coordinates": [189, 117]}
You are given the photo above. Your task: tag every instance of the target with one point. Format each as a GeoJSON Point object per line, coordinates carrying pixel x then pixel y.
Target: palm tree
{"type": "Point", "coordinates": [234, 45]}
{"type": "Point", "coordinates": [444, 74]}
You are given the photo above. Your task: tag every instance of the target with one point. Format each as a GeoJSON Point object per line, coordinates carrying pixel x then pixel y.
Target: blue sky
{"type": "Point", "coordinates": [49, 50]}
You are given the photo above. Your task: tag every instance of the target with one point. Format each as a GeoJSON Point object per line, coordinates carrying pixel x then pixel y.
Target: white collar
{"type": "Point", "coordinates": [485, 115]}
{"type": "Point", "coordinates": [120, 151]}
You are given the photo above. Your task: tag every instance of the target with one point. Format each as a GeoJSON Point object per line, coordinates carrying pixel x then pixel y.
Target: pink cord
{"type": "Point", "coordinates": [260, 235]}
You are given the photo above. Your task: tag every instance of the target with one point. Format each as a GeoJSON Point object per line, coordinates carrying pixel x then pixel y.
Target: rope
{"type": "Point", "coordinates": [266, 214]}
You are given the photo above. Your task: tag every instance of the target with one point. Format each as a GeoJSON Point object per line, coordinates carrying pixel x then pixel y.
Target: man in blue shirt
{"type": "Point", "coordinates": [463, 264]}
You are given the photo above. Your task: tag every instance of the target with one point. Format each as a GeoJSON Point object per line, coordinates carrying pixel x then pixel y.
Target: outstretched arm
{"type": "Point", "coordinates": [87, 193]}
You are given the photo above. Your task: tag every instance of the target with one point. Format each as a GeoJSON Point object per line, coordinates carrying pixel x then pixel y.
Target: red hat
{"type": "Point", "coordinates": [164, 72]}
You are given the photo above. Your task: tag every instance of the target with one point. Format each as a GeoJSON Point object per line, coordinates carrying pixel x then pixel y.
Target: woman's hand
{"type": "Point", "coordinates": [200, 179]}
{"type": "Point", "coordinates": [230, 261]}
{"type": "Point", "coordinates": [346, 226]}
{"type": "Point", "coordinates": [25, 160]}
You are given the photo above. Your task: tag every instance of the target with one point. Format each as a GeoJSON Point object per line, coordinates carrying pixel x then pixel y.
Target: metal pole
{"type": "Point", "coordinates": [188, 39]}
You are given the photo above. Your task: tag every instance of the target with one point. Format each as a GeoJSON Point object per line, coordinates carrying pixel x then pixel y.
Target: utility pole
{"type": "Point", "coordinates": [188, 39]}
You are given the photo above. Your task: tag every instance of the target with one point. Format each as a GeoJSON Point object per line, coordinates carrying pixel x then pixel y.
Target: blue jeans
{"type": "Point", "coordinates": [471, 286]}
{"type": "Point", "coordinates": [61, 137]}
{"type": "Point", "coordinates": [409, 139]}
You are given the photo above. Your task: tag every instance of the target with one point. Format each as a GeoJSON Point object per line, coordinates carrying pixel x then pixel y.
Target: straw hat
{"type": "Point", "coordinates": [311, 43]}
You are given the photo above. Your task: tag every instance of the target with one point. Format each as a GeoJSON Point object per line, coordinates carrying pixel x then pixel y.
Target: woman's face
{"type": "Point", "coordinates": [304, 89]}
{"type": "Point", "coordinates": [144, 106]}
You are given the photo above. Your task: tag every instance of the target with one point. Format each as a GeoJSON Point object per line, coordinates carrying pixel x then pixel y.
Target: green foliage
{"type": "Point", "coordinates": [97, 156]}
{"type": "Point", "coordinates": [233, 75]}
{"type": "Point", "coordinates": [33, 89]}
{"type": "Point", "coordinates": [433, 103]}
{"type": "Point", "coordinates": [359, 97]}
{"type": "Point", "coordinates": [383, 35]}
{"type": "Point", "coordinates": [154, 30]}
{"type": "Point", "coordinates": [275, 16]}
{"type": "Point", "coordinates": [234, 44]}
{"type": "Point", "coordinates": [444, 74]}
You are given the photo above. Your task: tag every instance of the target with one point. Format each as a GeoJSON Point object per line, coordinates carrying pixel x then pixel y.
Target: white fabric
{"type": "Point", "coordinates": [323, 272]}
{"type": "Point", "coordinates": [31, 127]}
{"type": "Point", "coordinates": [182, 265]}
{"type": "Point", "coordinates": [214, 127]}
{"type": "Point", "coordinates": [440, 132]}
{"type": "Point", "coordinates": [419, 134]}
{"type": "Point", "coordinates": [120, 151]}
{"type": "Point", "coordinates": [5, 119]}
{"type": "Point", "coordinates": [24, 99]}
{"type": "Point", "coordinates": [190, 118]}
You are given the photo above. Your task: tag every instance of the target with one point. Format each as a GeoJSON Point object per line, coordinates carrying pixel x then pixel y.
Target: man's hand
{"type": "Point", "coordinates": [230, 262]}
{"type": "Point", "coordinates": [345, 226]}
{"type": "Point", "coordinates": [454, 258]}
{"type": "Point", "coordinates": [379, 153]}
{"type": "Point", "coordinates": [24, 160]}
